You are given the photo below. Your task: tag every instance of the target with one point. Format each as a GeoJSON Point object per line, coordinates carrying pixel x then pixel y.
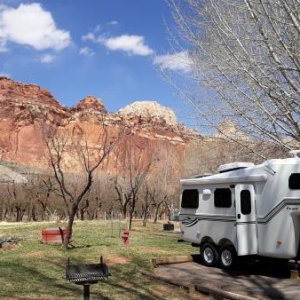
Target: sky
{"type": "Point", "coordinates": [111, 49]}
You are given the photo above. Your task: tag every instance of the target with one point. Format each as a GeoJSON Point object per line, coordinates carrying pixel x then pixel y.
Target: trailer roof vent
{"type": "Point", "coordinates": [234, 166]}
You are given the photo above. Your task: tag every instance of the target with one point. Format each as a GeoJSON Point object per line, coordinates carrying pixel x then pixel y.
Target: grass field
{"type": "Point", "coordinates": [33, 270]}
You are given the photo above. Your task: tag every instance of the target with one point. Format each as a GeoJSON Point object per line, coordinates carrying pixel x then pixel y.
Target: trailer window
{"type": "Point", "coordinates": [245, 202]}
{"type": "Point", "coordinates": [222, 197]}
{"type": "Point", "coordinates": [294, 181]}
{"type": "Point", "coordinates": [190, 199]}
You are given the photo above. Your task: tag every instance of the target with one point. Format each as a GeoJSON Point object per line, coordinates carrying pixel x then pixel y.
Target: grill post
{"type": "Point", "coordinates": [86, 292]}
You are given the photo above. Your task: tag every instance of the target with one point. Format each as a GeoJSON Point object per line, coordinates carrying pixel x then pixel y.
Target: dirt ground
{"type": "Point", "coordinates": [262, 280]}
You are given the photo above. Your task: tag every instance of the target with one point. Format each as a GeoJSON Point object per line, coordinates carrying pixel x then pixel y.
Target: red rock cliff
{"type": "Point", "coordinates": [28, 112]}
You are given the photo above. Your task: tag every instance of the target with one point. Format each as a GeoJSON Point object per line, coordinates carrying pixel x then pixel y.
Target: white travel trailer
{"type": "Point", "coordinates": [245, 209]}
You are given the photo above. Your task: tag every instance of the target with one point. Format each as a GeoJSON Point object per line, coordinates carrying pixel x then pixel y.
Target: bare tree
{"type": "Point", "coordinates": [123, 195]}
{"type": "Point", "coordinates": [4, 201]}
{"type": "Point", "coordinates": [45, 188]}
{"type": "Point", "coordinates": [155, 199]}
{"type": "Point", "coordinates": [136, 162]}
{"type": "Point", "coordinates": [136, 179]}
{"type": "Point", "coordinates": [100, 198]}
{"type": "Point", "coordinates": [73, 142]}
{"type": "Point", "coordinates": [148, 196]}
{"type": "Point", "coordinates": [248, 53]}
{"type": "Point", "coordinates": [39, 189]}
{"type": "Point", "coordinates": [18, 192]}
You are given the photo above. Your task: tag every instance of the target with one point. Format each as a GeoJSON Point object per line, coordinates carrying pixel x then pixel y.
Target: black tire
{"type": "Point", "coordinates": [209, 254]}
{"type": "Point", "coordinates": [228, 257]}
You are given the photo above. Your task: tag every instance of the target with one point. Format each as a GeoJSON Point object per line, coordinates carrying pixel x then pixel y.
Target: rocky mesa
{"type": "Point", "coordinates": [28, 112]}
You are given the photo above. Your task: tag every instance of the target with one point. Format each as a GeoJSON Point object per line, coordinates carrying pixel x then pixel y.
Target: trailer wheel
{"type": "Point", "coordinates": [209, 254]}
{"type": "Point", "coordinates": [227, 257]}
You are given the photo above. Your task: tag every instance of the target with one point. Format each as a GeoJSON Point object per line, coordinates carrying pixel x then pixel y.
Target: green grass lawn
{"type": "Point", "coordinates": [34, 270]}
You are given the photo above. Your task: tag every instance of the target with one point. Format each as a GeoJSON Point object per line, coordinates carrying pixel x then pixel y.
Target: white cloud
{"type": "Point", "coordinates": [98, 28]}
{"type": "Point", "coordinates": [131, 44]}
{"type": "Point", "coordinates": [113, 23]}
{"type": "Point", "coordinates": [179, 61]}
{"type": "Point", "coordinates": [89, 37]}
{"type": "Point", "coordinates": [86, 51]}
{"type": "Point", "coordinates": [47, 58]}
{"type": "Point", "coordinates": [31, 25]}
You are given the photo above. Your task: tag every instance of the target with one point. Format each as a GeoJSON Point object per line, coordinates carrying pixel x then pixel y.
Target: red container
{"type": "Point", "coordinates": [54, 235]}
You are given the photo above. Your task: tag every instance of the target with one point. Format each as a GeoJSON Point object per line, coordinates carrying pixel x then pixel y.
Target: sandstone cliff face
{"type": "Point", "coordinates": [26, 93]}
{"type": "Point", "coordinates": [28, 112]}
{"type": "Point", "coordinates": [89, 103]}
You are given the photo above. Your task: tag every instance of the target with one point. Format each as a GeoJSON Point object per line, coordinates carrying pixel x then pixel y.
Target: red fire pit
{"type": "Point", "coordinates": [54, 235]}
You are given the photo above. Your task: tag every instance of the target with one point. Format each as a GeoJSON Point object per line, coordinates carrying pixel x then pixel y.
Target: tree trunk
{"type": "Point", "coordinates": [145, 215]}
{"type": "Point", "coordinates": [145, 221]}
{"type": "Point", "coordinates": [132, 209]}
{"type": "Point", "coordinates": [69, 233]}
{"type": "Point", "coordinates": [81, 213]}
{"type": "Point", "coordinates": [124, 211]}
{"type": "Point", "coordinates": [130, 218]}
{"type": "Point", "coordinates": [31, 213]}
{"type": "Point", "coordinates": [19, 213]}
{"type": "Point", "coordinates": [155, 216]}
{"type": "Point", "coordinates": [43, 212]}
{"type": "Point", "coordinates": [156, 211]}
{"type": "Point", "coordinates": [3, 211]}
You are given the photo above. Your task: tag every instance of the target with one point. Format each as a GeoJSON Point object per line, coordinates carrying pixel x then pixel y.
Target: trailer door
{"type": "Point", "coordinates": [246, 219]}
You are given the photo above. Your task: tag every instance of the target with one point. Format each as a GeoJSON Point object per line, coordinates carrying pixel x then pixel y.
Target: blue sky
{"type": "Point", "coordinates": [111, 49]}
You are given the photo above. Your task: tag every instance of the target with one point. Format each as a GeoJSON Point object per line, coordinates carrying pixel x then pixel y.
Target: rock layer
{"type": "Point", "coordinates": [89, 103]}
{"type": "Point", "coordinates": [28, 113]}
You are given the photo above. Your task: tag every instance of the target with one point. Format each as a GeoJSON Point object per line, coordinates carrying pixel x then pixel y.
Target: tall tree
{"type": "Point", "coordinates": [73, 143]}
{"type": "Point", "coordinates": [248, 53]}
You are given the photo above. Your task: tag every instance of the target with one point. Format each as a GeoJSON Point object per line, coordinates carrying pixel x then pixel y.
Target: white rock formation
{"type": "Point", "coordinates": [150, 109]}
{"type": "Point", "coordinates": [229, 129]}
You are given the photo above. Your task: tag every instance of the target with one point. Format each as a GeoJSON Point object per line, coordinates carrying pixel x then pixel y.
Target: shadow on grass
{"type": "Point", "coordinates": [131, 283]}
{"type": "Point", "coordinates": [31, 279]}
{"type": "Point", "coordinates": [28, 280]}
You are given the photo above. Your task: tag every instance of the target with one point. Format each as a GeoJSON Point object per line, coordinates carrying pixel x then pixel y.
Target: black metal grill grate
{"type": "Point", "coordinates": [87, 274]}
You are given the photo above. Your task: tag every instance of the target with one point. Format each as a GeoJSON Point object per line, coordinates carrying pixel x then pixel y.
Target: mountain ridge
{"type": "Point", "coordinates": [28, 111]}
